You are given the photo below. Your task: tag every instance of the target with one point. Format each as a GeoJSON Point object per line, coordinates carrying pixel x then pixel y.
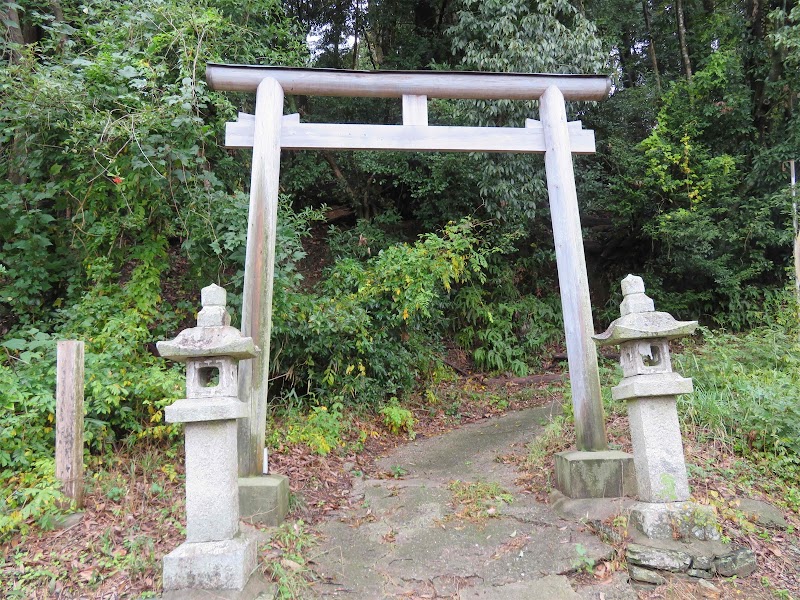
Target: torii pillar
{"type": "Point", "coordinates": [592, 471]}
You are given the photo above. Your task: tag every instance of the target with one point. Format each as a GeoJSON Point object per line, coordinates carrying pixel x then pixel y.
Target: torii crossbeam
{"type": "Point", "coordinates": [269, 131]}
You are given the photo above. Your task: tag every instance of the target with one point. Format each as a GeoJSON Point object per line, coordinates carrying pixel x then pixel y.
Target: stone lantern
{"type": "Point", "coordinates": [216, 554]}
{"type": "Point", "coordinates": [651, 387]}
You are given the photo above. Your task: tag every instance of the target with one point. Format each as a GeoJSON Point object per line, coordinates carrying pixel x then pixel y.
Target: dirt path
{"type": "Point", "coordinates": [411, 537]}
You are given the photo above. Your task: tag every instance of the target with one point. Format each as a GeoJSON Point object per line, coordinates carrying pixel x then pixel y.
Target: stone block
{"type": "Point", "coordinates": [604, 474]}
{"type": "Point", "coordinates": [645, 575]}
{"type": "Point", "coordinates": [652, 386]}
{"type": "Point", "coordinates": [636, 303]}
{"type": "Point", "coordinates": [708, 589]}
{"type": "Point", "coordinates": [264, 499]}
{"type": "Point", "coordinates": [212, 510]}
{"type": "Point", "coordinates": [213, 316]}
{"type": "Point", "coordinates": [595, 510]}
{"type": "Point", "coordinates": [762, 513]}
{"type": "Point", "coordinates": [258, 588]}
{"type": "Point", "coordinates": [675, 520]}
{"type": "Point", "coordinates": [658, 558]}
{"type": "Point", "coordinates": [632, 284]}
{"type": "Point", "coordinates": [703, 562]}
{"type": "Point", "coordinates": [193, 410]}
{"type": "Point", "coordinates": [213, 295]}
{"type": "Point", "coordinates": [739, 563]}
{"type": "Point", "coordinates": [658, 450]}
{"type": "Point", "coordinates": [222, 565]}
{"type": "Point", "coordinates": [700, 574]}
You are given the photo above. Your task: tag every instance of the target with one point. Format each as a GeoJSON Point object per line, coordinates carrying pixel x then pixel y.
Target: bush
{"type": "Point", "coordinates": [372, 326]}
{"type": "Point", "coordinates": [398, 419]}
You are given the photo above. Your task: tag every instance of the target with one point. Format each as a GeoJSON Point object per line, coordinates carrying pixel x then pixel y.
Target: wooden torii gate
{"type": "Point", "coordinates": [269, 131]}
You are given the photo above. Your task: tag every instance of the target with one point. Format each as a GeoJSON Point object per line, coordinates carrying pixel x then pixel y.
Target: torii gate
{"type": "Point", "coordinates": [270, 130]}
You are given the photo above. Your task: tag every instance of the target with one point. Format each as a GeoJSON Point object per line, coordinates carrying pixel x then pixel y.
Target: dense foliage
{"type": "Point", "coordinates": [118, 201]}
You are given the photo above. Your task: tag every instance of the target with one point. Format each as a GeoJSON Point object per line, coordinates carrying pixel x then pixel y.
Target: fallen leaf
{"type": "Point", "coordinates": [291, 565]}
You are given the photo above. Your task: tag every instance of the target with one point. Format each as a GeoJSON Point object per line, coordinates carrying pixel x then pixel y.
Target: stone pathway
{"type": "Point", "coordinates": [400, 538]}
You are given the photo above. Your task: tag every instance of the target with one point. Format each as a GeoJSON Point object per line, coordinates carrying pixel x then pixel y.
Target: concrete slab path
{"type": "Point", "coordinates": [402, 538]}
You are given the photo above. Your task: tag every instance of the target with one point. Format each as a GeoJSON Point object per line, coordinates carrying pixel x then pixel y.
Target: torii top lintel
{"type": "Point", "coordinates": [395, 84]}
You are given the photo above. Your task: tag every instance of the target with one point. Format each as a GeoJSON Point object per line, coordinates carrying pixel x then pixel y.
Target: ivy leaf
{"type": "Point", "coordinates": [14, 344]}
{"type": "Point", "coordinates": [128, 72]}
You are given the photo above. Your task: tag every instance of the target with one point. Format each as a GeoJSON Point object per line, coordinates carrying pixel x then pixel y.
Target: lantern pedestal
{"type": "Point", "coordinates": [220, 565]}
{"type": "Point", "coordinates": [658, 449]}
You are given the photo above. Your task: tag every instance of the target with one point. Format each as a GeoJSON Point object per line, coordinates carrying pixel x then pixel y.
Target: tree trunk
{"type": "Point", "coordinates": [687, 65]}
{"type": "Point", "coordinates": [651, 48]}
{"type": "Point", "coordinates": [358, 203]}
{"type": "Point", "coordinates": [58, 14]}
{"type": "Point", "coordinates": [356, 25]}
{"type": "Point", "coordinates": [629, 77]}
{"type": "Point", "coordinates": [10, 18]}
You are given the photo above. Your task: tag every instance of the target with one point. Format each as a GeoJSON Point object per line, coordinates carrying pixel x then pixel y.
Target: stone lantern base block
{"type": "Point", "coordinates": [675, 520]}
{"type": "Point", "coordinates": [258, 588]}
{"type": "Point", "coordinates": [223, 565]}
{"type": "Point", "coordinates": [601, 474]}
{"type": "Point", "coordinates": [264, 500]}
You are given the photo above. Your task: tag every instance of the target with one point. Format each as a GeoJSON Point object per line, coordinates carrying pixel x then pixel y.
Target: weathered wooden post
{"type": "Point", "coordinates": [592, 471]}
{"type": "Point", "coordinates": [263, 498]}
{"type": "Point", "coordinates": [69, 419]}
{"type": "Point", "coordinates": [590, 428]}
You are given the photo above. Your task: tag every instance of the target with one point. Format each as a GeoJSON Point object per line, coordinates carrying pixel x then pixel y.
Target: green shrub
{"type": "Point", "coordinates": [32, 496]}
{"type": "Point", "coordinates": [373, 325]}
{"type": "Point", "coordinates": [505, 335]}
{"type": "Point", "coordinates": [321, 429]}
{"type": "Point", "coordinates": [126, 386]}
{"type": "Point", "coordinates": [398, 419]}
{"type": "Point", "coordinates": [368, 238]}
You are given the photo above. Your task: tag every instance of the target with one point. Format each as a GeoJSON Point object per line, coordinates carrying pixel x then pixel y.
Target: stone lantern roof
{"type": "Point", "coordinates": [213, 335]}
{"type": "Point", "coordinates": [640, 320]}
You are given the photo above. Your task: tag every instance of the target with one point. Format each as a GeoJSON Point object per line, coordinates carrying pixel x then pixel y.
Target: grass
{"type": "Point", "coordinates": [479, 500]}
{"type": "Point", "coordinates": [551, 440]}
{"type": "Point", "coordinates": [747, 399]}
{"type": "Point", "coordinates": [285, 560]}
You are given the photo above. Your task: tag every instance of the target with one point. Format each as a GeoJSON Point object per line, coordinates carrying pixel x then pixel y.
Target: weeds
{"type": "Point", "coordinates": [323, 429]}
{"type": "Point", "coordinates": [479, 500]}
{"type": "Point", "coordinates": [551, 440]}
{"type": "Point", "coordinates": [747, 396]}
{"type": "Point", "coordinates": [398, 419]}
{"type": "Point", "coordinates": [583, 562]}
{"type": "Point", "coordinates": [285, 561]}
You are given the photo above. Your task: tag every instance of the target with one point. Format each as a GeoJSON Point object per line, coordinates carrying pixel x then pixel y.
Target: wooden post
{"type": "Point", "coordinates": [69, 419]}
{"type": "Point", "coordinates": [796, 234]}
{"type": "Point", "coordinates": [572, 278]}
{"type": "Point", "coordinates": [415, 110]}
{"type": "Point", "coordinates": [258, 274]}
